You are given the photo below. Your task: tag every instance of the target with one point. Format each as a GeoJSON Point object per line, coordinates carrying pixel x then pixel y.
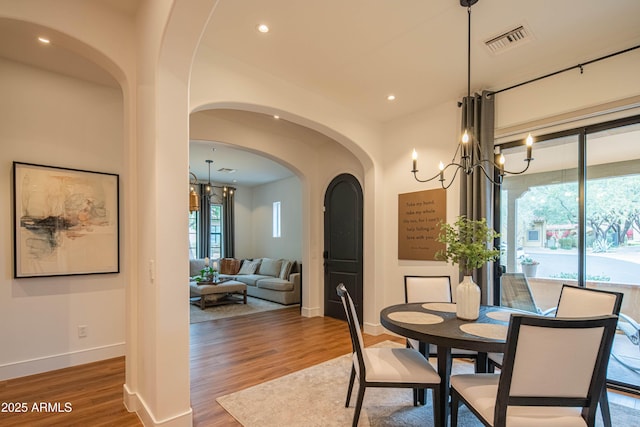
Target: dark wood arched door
{"type": "Point", "coordinates": [342, 244]}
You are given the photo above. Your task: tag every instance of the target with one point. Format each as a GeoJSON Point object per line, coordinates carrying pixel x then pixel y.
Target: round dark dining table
{"type": "Point", "coordinates": [436, 323]}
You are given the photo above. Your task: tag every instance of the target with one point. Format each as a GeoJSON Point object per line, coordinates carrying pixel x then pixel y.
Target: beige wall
{"type": "Point", "coordinates": [50, 119]}
{"type": "Point", "coordinates": [606, 90]}
{"type": "Point", "coordinates": [253, 212]}
{"type": "Point", "coordinates": [289, 245]}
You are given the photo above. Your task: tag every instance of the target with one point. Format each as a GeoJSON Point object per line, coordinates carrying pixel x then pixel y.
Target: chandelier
{"type": "Point", "coordinates": [194, 198]}
{"type": "Point", "coordinates": [468, 156]}
{"type": "Point", "coordinates": [209, 188]}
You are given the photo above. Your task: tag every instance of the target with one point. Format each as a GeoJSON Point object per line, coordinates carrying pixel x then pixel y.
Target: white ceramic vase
{"type": "Point", "coordinates": [468, 299]}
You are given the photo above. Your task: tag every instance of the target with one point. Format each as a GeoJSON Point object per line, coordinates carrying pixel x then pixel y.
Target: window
{"type": "Point", "coordinates": [193, 235]}
{"type": "Point", "coordinates": [276, 219]}
{"type": "Point", "coordinates": [581, 197]}
{"type": "Point", "coordinates": [215, 232]}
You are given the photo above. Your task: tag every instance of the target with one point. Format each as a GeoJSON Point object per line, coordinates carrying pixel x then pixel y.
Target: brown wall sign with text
{"type": "Point", "coordinates": [419, 216]}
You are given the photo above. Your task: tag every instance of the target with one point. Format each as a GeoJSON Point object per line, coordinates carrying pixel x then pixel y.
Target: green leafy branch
{"type": "Point", "coordinates": [469, 243]}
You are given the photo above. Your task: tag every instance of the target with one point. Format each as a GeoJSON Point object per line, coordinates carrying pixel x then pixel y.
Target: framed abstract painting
{"type": "Point", "coordinates": [66, 221]}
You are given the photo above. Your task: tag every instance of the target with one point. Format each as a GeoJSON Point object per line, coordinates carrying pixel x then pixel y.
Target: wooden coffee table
{"type": "Point", "coordinates": [223, 292]}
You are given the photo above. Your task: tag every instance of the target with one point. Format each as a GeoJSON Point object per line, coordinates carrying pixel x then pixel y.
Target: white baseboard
{"type": "Point", "coordinates": [130, 399]}
{"type": "Point", "coordinates": [311, 312]}
{"type": "Point", "coordinates": [374, 328]}
{"type": "Point", "coordinates": [59, 361]}
{"type": "Point", "coordinates": [134, 403]}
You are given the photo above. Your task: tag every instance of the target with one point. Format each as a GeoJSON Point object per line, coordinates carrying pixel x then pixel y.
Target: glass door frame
{"type": "Point", "coordinates": [581, 133]}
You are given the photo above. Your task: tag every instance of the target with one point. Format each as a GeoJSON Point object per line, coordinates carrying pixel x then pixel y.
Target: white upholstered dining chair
{"type": "Point", "coordinates": [431, 289]}
{"type": "Point", "coordinates": [553, 372]}
{"type": "Point", "coordinates": [580, 302]}
{"type": "Point", "coordinates": [384, 367]}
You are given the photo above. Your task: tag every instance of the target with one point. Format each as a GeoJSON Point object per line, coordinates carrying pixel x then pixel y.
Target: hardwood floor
{"type": "Point", "coordinates": [94, 391]}
{"type": "Point", "coordinates": [227, 355]}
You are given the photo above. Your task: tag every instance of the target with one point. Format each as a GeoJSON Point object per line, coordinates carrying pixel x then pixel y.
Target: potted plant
{"type": "Point", "coordinates": [529, 266]}
{"type": "Point", "coordinates": [208, 273]}
{"type": "Point", "coordinates": [469, 244]}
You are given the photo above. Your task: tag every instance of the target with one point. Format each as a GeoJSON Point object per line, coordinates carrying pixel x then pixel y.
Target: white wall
{"type": "Point", "coordinates": [559, 102]}
{"type": "Point", "coordinates": [244, 222]}
{"type": "Point", "coordinates": [571, 99]}
{"type": "Point", "coordinates": [434, 135]}
{"type": "Point", "coordinates": [289, 245]}
{"type": "Point", "coordinates": [49, 119]}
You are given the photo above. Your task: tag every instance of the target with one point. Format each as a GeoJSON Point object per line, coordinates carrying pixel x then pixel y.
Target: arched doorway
{"type": "Point", "coordinates": [343, 255]}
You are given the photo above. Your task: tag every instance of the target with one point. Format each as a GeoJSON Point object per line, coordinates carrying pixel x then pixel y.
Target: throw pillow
{"type": "Point", "coordinates": [270, 267]}
{"type": "Point", "coordinates": [229, 266]}
{"type": "Point", "coordinates": [285, 270]}
{"type": "Point", "coordinates": [249, 267]}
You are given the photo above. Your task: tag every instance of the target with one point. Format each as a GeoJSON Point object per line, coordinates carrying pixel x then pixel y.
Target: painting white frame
{"type": "Point", "coordinates": [66, 221]}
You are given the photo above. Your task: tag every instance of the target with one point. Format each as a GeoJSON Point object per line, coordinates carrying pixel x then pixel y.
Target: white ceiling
{"type": "Point", "coordinates": [356, 52]}
{"type": "Point", "coordinates": [249, 169]}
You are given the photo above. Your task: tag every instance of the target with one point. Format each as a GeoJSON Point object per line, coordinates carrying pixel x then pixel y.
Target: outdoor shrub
{"type": "Point", "coordinates": [566, 243]}
{"type": "Point", "coordinates": [574, 276]}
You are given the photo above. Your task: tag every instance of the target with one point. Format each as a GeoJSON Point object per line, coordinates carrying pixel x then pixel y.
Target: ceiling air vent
{"type": "Point", "coordinates": [509, 40]}
{"type": "Point", "coordinates": [226, 170]}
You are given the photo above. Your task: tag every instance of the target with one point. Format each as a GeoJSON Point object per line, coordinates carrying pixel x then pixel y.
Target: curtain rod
{"type": "Point", "coordinates": [580, 66]}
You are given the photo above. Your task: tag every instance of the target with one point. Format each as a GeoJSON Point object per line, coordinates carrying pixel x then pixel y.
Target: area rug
{"type": "Point", "coordinates": [315, 397]}
{"type": "Point", "coordinates": [253, 305]}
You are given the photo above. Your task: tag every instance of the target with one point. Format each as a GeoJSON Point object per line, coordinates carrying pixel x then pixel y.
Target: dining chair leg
{"type": "Point", "coordinates": [455, 402]}
{"type": "Point", "coordinates": [482, 362]}
{"type": "Point", "coordinates": [604, 408]}
{"type": "Point", "coordinates": [415, 397]}
{"type": "Point", "coordinates": [356, 415]}
{"type": "Point", "coordinates": [350, 389]}
{"type": "Point", "coordinates": [435, 401]}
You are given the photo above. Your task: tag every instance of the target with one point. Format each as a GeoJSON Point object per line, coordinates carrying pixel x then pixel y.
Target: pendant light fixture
{"type": "Point", "coordinates": [209, 187]}
{"type": "Point", "coordinates": [194, 200]}
{"type": "Point", "coordinates": [468, 156]}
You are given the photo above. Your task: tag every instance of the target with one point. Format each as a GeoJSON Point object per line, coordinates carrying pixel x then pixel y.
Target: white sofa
{"type": "Point", "coordinates": [276, 280]}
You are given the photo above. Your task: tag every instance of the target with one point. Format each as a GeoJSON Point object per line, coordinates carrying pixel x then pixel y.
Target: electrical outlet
{"type": "Point", "coordinates": [82, 331]}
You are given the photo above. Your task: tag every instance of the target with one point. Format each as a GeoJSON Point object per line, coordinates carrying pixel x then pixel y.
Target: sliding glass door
{"type": "Point", "coordinates": [574, 218]}
{"type": "Point", "coordinates": [612, 242]}
{"type": "Point", "coordinates": [539, 222]}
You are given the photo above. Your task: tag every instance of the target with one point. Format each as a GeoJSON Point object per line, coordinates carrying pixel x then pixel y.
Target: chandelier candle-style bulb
{"type": "Point", "coordinates": [465, 137]}
{"type": "Point", "coordinates": [441, 167]}
{"type": "Point", "coordinates": [529, 146]}
{"type": "Point", "coordinates": [414, 157]}
{"type": "Point", "coordinates": [501, 164]}
{"type": "Point", "coordinates": [465, 144]}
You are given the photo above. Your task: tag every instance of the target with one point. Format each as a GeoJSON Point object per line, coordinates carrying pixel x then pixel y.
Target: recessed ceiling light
{"type": "Point", "coordinates": [44, 40]}
{"type": "Point", "coordinates": [263, 28]}
{"type": "Point", "coordinates": [275, 116]}
{"type": "Point", "coordinates": [391, 97]}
